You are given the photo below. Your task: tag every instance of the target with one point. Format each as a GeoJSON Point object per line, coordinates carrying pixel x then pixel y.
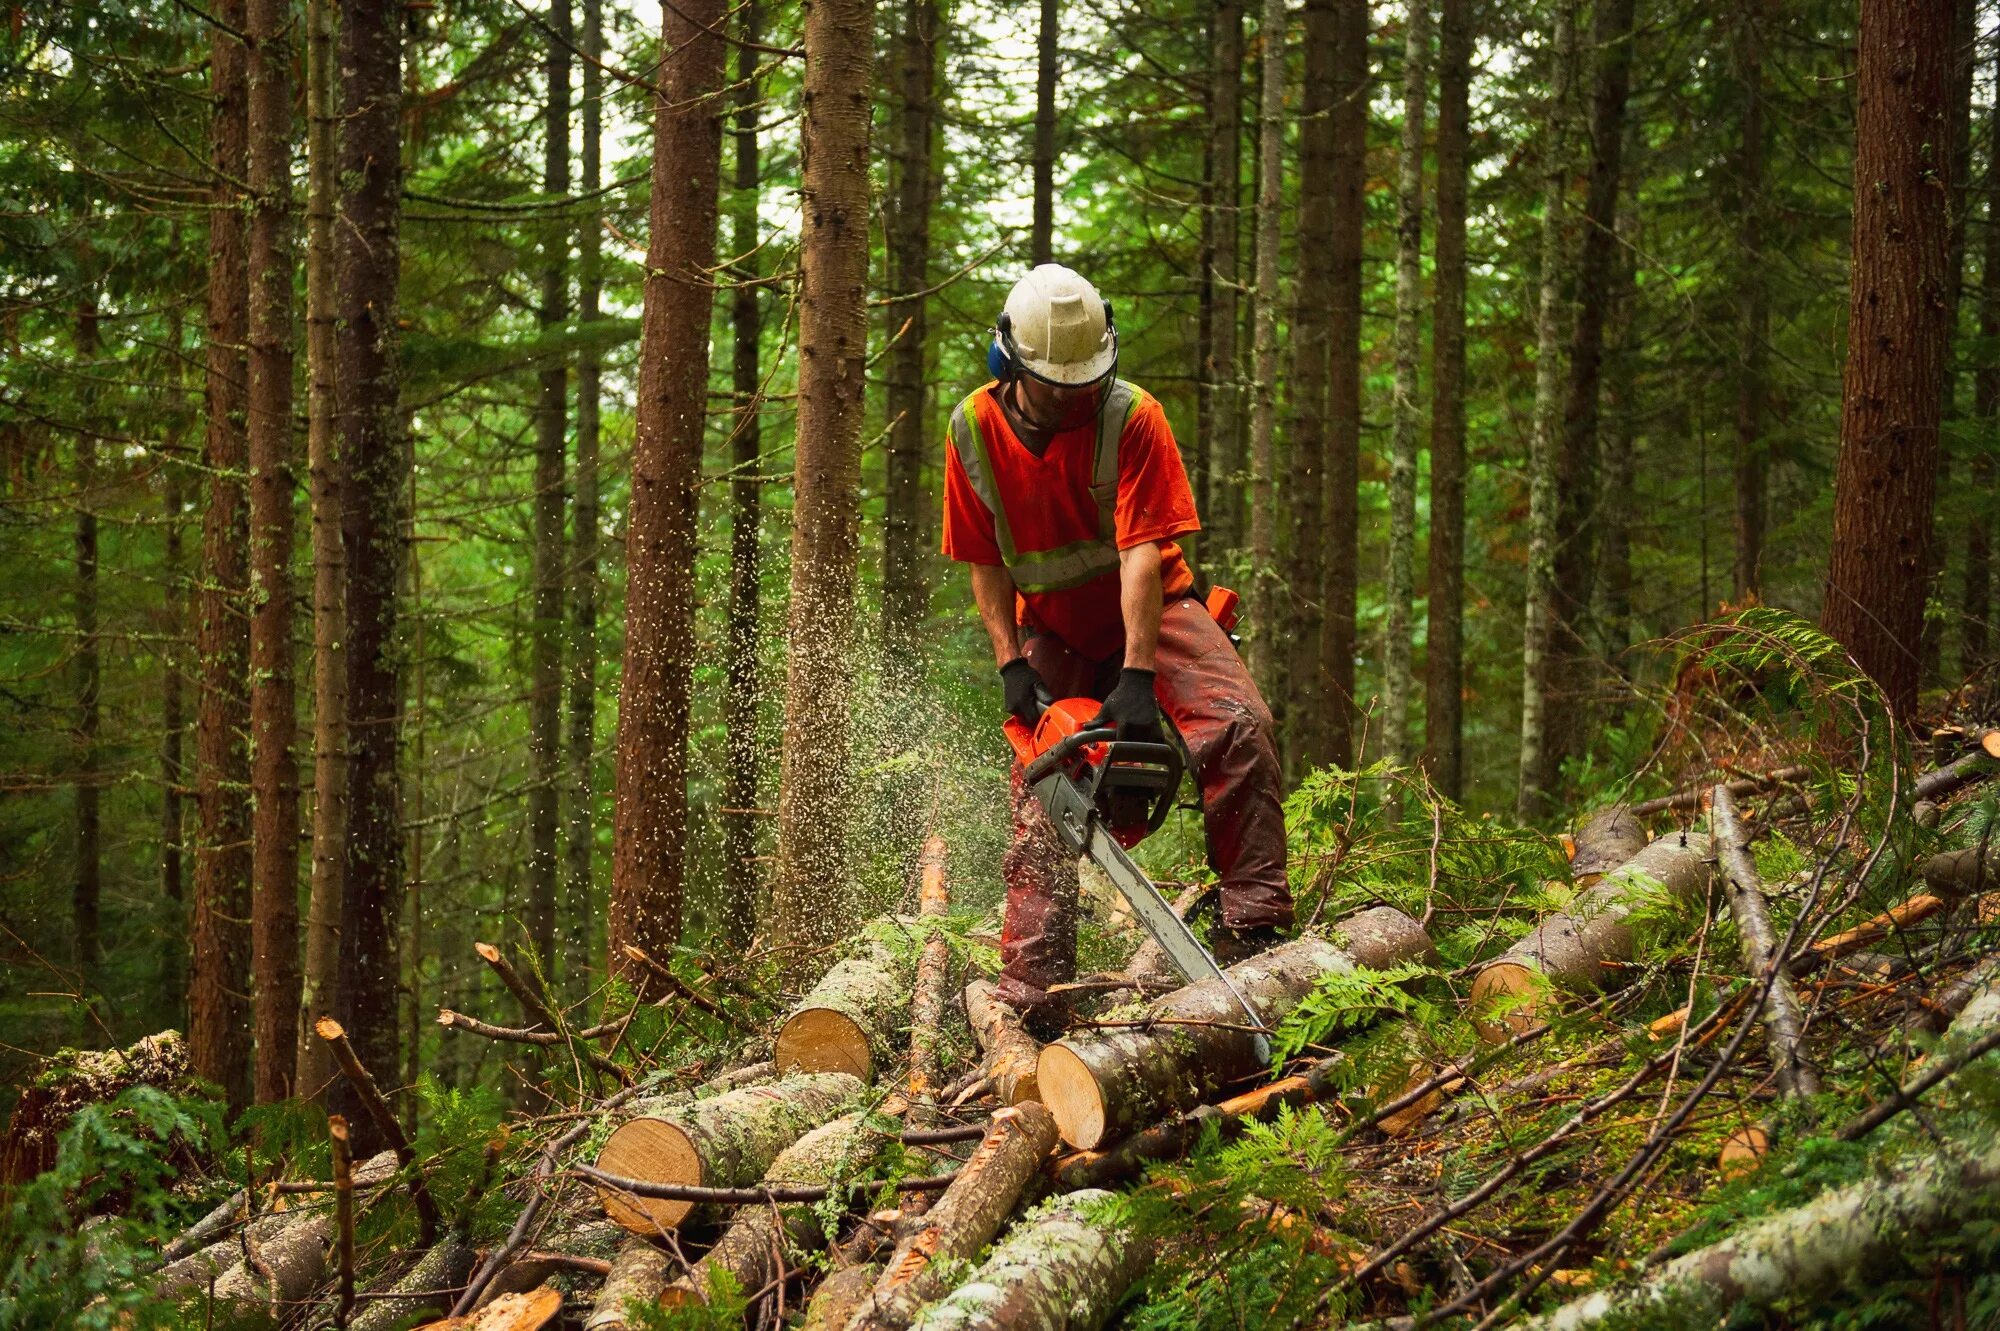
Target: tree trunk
{"type": "Point", "coordinates": [1270, 628]}
{"type": "Point", "coordinates": [1220, 498]}
{"type": "Point", "coordinates": [1964, 59]}
{"type": "Point", "coordinates": [173, 763]}
{"type": "Point", "coordinates": [219, 979]}
{"type": "Point", "coordinates": [811, 898]}
{"type": "Point", "coordinates": [1753, 310]}
{"type": "Point", "coordinates": [1976, 602]}
{"type": "Point", "coordinates": [1305, 497]}
{"type": "Point", "coordinates": [1444, 658]}
{"type": "Point", "coordinates": [1398, 680]}
{"type": "Point", "coordinates": [849, 1020]}
{"type": "Point", "coordinates": [1570, 666]}
{"type": "Point", "coordinates": [1009, 1052]}
{"type": "Point", "coordinates": [1068, 1268]}
{"type": "Point", "coordinates": [963, 1221]}
{"type": "Point", "coordinates": [1898, 334]}
{"type": "Point", "coordinates": [724, 1141]}
{"type": "Point", "coordinates": [1102, 1086]}
{"type": "Point", "coordinates": [370, 420]}
{"type": "Point", "coordinates": [86, 887]}
{"type": "Point", "coordinates": [649, 845]}
{"type": "Point", "coordinates": [1537, 633]}
{"type": "Point", "coordinates": [740, 687]}
{"type": "Point", "coordinates": [327, 474]}
{"type": "Point", "coordinates": [1048, 68]}
{"type": "Point", "coordinates": [1616, 509]}
{"type": "Point", "coordinates": [579, 906]}
{"type": "Point", "coordinates": [551, 426]}
{"type": "Point", "coordinates": [1576, 948]}
{"type": "Point", "coordinates": [1343, 439]}
{"type": "Point", "coordinates": [274, 768]}
{"type": "Point", "coordinates": [907, 223]}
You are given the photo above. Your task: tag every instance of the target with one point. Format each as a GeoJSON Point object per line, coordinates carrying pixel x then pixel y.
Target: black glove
{"type": "Point", "coordinates": [1027, 696]}
{"type": "Point", "coordinates": [1132, 709]}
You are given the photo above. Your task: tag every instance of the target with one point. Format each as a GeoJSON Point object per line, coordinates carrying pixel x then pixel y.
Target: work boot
{"type": "Point", "coordinates": [1046, 1022]}
{"type": "Point", "coordinates": [1232, 945]}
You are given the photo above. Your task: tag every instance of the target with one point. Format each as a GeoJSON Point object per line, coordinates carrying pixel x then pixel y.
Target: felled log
{"type": "Point", "coordinates": [849, 1020]}
{"type": "Point", "coordinates": [1191, 1043]}
{"type": "Point", "coordinates": [1962, 873]}
{"type": "Point", "coordinates": [964, 1220]}
{"type": "Point", "coordinates": [840, 1296]}
{"type": "Point", "coordinates": [1570, 948]}
{"type": "Point", "coordinates": [274, 1228]}
{"type": "Point", "coordinates": [1149, 967]}
{"type": "Point", "coordinates": [748, 1248]}
{"type": "Point", "coordinates": [1758, 947]}
{"type": "Point", "coordinates": [590, 1245]}
{"type": "Point", "coordinates": [638, 1273]}
{"type": "Point", "coordinates": [72, 1079]}
{"type": "Point", "coordinates": [1810, 1249]}
{"type": "Point", "coordinates": [1961, 771]}
{"type": "Point", "coordinates": [1008, 1052]}
{"type": "Point", "coordinates": [1062, 1271]}
{"type": "Point", "coordinates": [426, 1287]}
{"type": "Point", "coordinates": [1607, 839]}
{"type": "Point", "coordinates": [510, 1312]}
{"type": "Point", "coordinates": [929, 1001]}
{"type": "Point", "coordinates": [725, 1141]}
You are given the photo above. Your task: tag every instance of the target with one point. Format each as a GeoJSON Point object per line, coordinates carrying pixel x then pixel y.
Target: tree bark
{"type": "Point", "coordinates": [849, 1020]}
{"type": "Point", "coordinates": [218, 1008]}
{"type": "Point", "coordinates": [86, 886]}
{"type": "Point", "coordinates": [1537, 634]}
{"type": "Point", "coordinates": [1067, 1269]}
{"type": "Point", "coordinates": [907, 223]}
{"type": "Point", "coordinates": [1048, 68]}
{"type": "Point", "coordinates": [1221, 500]}
{"type": "Point", "coordinates": [1266, 652]}
{"type": "Point", "coordinates": [370, 422]}
{"type": "Point", "coordinates": [173, 765]}
{"type": "Point", "coordinates": [579, 905]}
{"type": "Point", "coordinates": [1753, 309]}
{"type": "Point", "coordinates": [327, 478]}
{"type": "Point", "coordinates": [649, 844]}
{"type": "Point", "coordinates": [549, 573]}
{"type": "Point", "coordinates": [1009, 1052]}
{"type": "Point", "coordinates": [1758, 946]}
{"type": "Point", "coordinates": [1571, 663]}
{"type": "Point", "coordinates": [1574, 948]}
{"type": "Point", "coordinates": [741, 685]}
{"type": "Point", "coordinates": [639, 1274]}
{"type": "Point", "coordinates": [1398, 679]}
{"type": "Point", "coordinates": [1104, 1085]}
{"type": "Point", "coordinates": [811, 897]}
{"type": "Point", "coordinates": [1898, 334]}
{"type": "Point", "coordinates": [724, 1141]}
{"type": "Point", "coordinates": [1616, 509]}
{"type": "Point", "coordinates": [1343, 440]}
{"type": "Point", "coordinates": [1976, 600]}
{"type": "Point", "coordinates": [274, 768]}
{"type": "Point", "coordinates": [1444, 652]}
{"type": "Point", "coordinates": [963, 1221]}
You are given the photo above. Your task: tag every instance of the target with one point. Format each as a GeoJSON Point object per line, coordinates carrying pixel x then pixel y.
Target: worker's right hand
{"type": "Point", "coordinates": [1027, 697]}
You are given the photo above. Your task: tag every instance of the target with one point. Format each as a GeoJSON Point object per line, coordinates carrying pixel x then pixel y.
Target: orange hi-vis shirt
{"type": "Point", "coordinates": [1059, 520]}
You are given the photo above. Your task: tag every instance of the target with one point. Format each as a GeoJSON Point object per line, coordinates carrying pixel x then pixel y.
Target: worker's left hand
{"type": "Point", "coordinates": [1132, 709]}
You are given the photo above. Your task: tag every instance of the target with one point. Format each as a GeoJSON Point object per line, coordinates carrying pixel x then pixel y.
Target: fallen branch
{"type": "Point", "coordinates": [384, 1119]}
{"type": "Point", "coordinates": [928, 1003]}
{"type": "Point", "coordinates": [343, 1217]}
{"type": "Point", "coordinates": [665, 975]}
{"type": "Point", "coordinates": [1783, 1025]}
{"type": "Point", "coordinates": [1692, 796]}
{"type": "Point", "coordinates": [1009, 1053]}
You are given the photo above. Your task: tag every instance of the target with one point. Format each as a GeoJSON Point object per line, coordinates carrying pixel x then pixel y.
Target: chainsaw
{"type": "Point", "coordinates": [1105, 795]}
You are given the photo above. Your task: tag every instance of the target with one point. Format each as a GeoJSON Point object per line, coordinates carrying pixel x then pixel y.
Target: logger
{"type": "Point", "coordinates": [1105, 795]}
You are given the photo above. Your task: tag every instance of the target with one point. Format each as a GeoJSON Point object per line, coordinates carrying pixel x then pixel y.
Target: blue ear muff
{"type": "Point", "coordinates": [997, 364]}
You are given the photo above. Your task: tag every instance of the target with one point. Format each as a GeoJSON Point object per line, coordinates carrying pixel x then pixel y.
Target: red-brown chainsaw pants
{"type": "Point", "coordinates": [1206, 692]}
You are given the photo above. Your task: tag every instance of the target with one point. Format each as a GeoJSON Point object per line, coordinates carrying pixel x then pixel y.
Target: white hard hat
{"type": "Point", "coordinates": [1056, 327]}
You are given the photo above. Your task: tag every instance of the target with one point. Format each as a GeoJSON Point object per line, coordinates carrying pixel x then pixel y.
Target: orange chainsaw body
{"type": "Point", "coordinates": [1128, 794]}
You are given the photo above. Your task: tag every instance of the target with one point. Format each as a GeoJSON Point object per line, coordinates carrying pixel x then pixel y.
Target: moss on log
{"type": "Point", "coordinates": [1811, 1249]}
{"type": "Point", "coordinates": [840, 1296]}
{"type": "Point", "coordinates": [1009, 1053]}
{"type": "Point", "coordinates": [831, 1152]}
{"type": "Point", "coordinates": [964, 1220]}
{"type": "Point", "coordinates": [72, 1079]}
{"type": "Point", "coordinates": [850, 1019]}
{"type": "Point", "coordinates": [725, 1141]}
{"type": "Point", "coordinates": [427, 1287]}
{"type": "Point", "coordinates": [1107, 1084]}
{"type": "Point", "coordinates": [216, 1263]}
{"type": "Point", "coordinates": [1062, 1270]}
{"type": "Point", "coordinates": [1607, 839]}
{"type": "Point", "coordinates": [1570, 949]}
{"type": "Point", "coordinates": [638, 1273]}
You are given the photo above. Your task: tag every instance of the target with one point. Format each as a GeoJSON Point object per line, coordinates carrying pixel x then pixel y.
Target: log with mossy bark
{"type": "Point", "coordinates": [850, 1020]}
{"type": "Point", "coordinates": [749, 1249]}
{"type": "Point", "coordinates": [1064, 1269]}
{"type": "Point", "coordinates": [1603, 841]}
{"type": "Point", "coordinates": [930, 1000]}
{"type": "Point", "coordinates": [1575, 948]}
{"type": "Point", "coordinates": [72, 1079]}
{"type": "Point", "coordinates": [427, 1287]}
{"type": "Point", "coordinates": [1812, 1249]}
{"type": "Point", "coordinates": [964, 1220]}
{"type": "Point", "coordinates": [638, 1273]}
{"type": "Point", "coordinates": [1007, 1052]}
{"type": "Point", "coordinates": [724, 1141]}
{"type": "Point", "coordinates": [303, 1230]}
{"type": "Point", "coordinates": [1195, 1041]}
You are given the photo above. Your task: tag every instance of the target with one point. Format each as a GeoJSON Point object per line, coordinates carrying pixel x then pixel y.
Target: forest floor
{"type": "Point", "coordinates": [1637, 1151]}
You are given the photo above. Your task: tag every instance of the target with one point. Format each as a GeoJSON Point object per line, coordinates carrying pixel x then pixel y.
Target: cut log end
{"type": "Point", "coordinates": [1743, 1152]}
{"type": "Point", "coordinates": [509, 1312]}
{"type": "Point", "coordinates": [1506, 999]}
{"type": "Point", "coordinates": [329, 1029]}
{"type": "Point", "coordinates": [659, 1152]}
{"type": "Point", "coordinates": [822, 1040]}
{"type": "Point", "coordinates": [1064, 1084]}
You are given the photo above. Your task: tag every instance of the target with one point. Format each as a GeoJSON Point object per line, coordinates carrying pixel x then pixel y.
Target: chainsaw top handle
{"type": "Point", "coordinates": [1135, 774]}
